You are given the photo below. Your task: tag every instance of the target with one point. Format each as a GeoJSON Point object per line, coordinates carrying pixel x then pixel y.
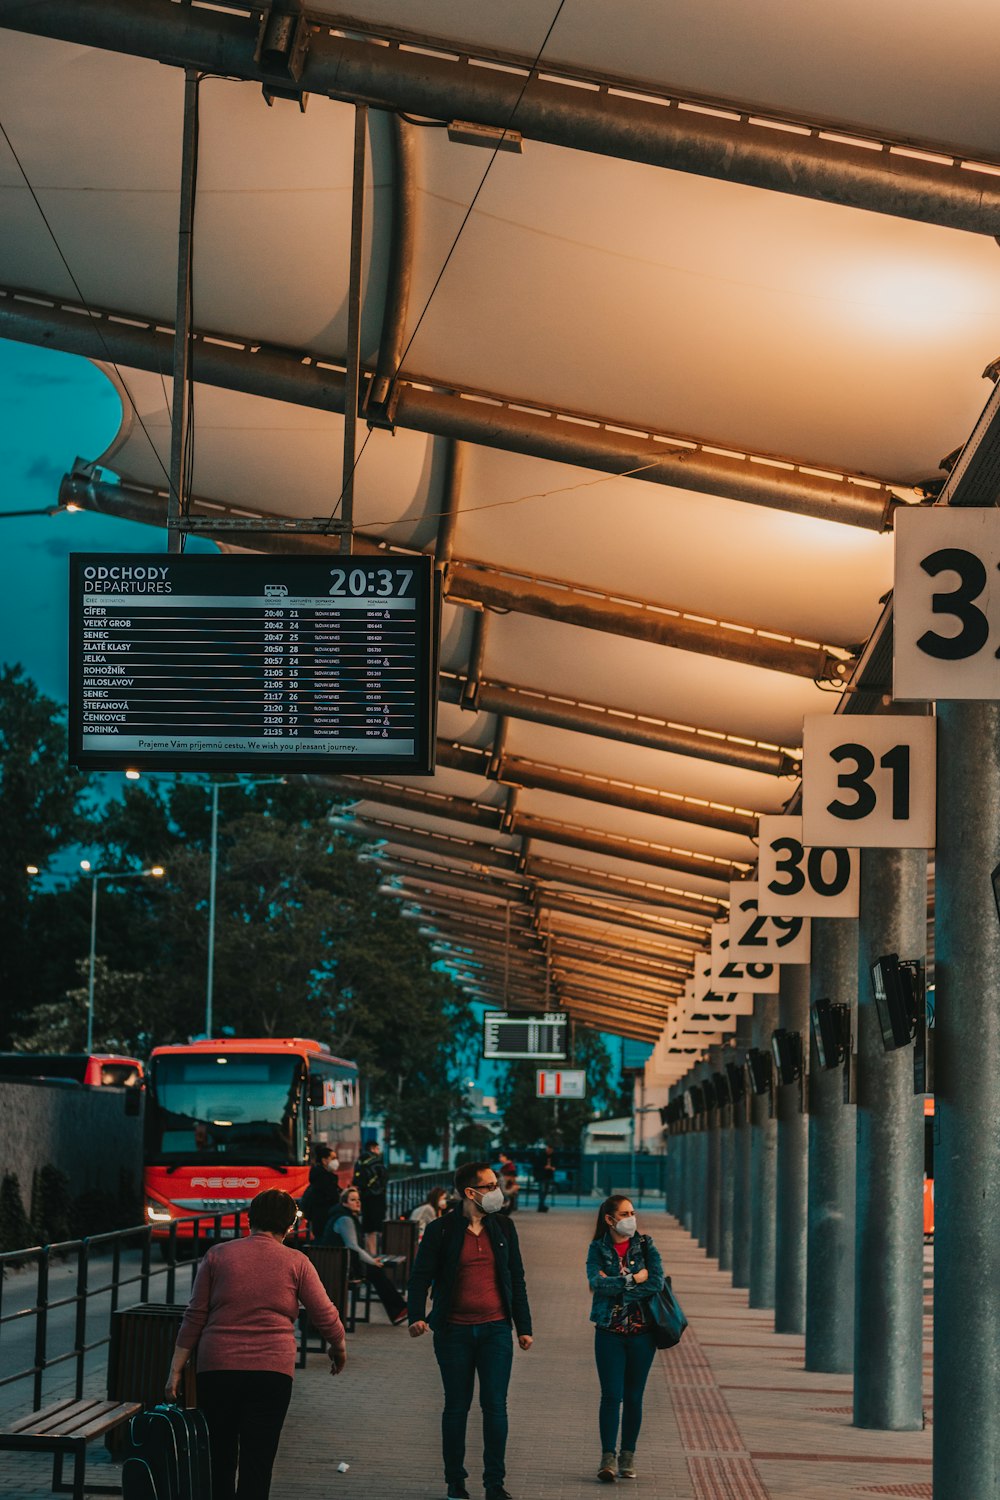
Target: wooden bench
{"type": "Point", "coordinates": [67, 1427]}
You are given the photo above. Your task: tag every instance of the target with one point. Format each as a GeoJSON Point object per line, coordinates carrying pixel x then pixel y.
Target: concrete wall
{"type": "Point", "coordinates": [85, 1132]}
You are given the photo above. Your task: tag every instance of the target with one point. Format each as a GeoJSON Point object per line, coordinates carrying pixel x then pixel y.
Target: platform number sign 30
{"type": "Point", "coordinates": [946, 604]}
{"type": "Point", "coordinates": [869, 781]}
{"type": "Point", "coordinates": [796, 879]}
{"type": "Point", "coordinates": [755, 937]}
{"type": "Point", "coordinates": [725, 971]}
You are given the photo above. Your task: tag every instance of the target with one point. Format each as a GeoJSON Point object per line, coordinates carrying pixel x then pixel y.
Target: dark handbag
{"type": "Point", "coordinates": [666, 1317]}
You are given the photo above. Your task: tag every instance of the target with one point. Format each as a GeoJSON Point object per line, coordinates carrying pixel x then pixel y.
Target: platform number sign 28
{"type": "Point", "coordinates": [796, 879]}
{"type": "Point", "coordinates": [755, 937]}
{"type": "Point", "coordinates": [946, 604]}
{"type": "Point", "coordinates": [868, 780]}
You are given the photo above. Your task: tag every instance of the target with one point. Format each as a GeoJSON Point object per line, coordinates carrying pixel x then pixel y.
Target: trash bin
{"type": "Point", "coordinates": [142, 1342]}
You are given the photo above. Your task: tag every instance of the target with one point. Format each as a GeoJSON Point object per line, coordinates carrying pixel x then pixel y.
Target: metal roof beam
{"type": "Point", "coordinates": [241, 364]}
{"type": "Point", "coordinates": [572, 836]}
{"type": "Point", "coordinates": [516, 770]}
{"type": "Point", "coordinates": [620, 724]}
{"type": "Point", "coordinates": [619, 916]}
{"type": "Point", "coordinates": [631, 121]}
{"type": "Point", "coordinates": [624, 888]}
{"type": "Point", "coordinates": [627, 947]}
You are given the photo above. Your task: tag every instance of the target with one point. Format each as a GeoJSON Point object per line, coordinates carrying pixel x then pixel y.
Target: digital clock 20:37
{"type": "Point", "coordinates": [382, 582]}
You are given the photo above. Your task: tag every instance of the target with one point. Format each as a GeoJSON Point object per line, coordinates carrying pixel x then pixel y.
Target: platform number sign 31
{"type": "Point", "coordinates": [757, 938]}
{"type": "Point", "coordinates": [868, 780]}
{"type": "Point", "coordinates": [946, 604]}
{"type": "Point", "coordinates": [796, 879]}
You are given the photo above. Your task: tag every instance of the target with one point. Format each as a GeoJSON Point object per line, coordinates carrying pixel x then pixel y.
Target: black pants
{"type": "Point", "coordinates": [391, 1297]}
{"type": "Point", "coordinates": [245, 1411]}
{"type": "Point", "coordinates": [465, 1350]}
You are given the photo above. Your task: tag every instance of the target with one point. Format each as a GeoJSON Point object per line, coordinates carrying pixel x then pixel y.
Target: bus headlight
{"type": "Point", "coordinates": [156, 1213]}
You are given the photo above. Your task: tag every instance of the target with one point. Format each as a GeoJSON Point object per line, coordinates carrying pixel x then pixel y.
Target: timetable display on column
{"type": "Point", "coordinates": [247, 663]}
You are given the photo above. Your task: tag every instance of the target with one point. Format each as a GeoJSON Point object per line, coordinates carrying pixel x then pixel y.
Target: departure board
{"type": "Point", "coordinates": [509, 1036]}
{"type": "Point", "coordinates": [248, 663]}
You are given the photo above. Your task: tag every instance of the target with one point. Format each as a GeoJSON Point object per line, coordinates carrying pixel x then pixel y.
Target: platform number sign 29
{"type": "Point", "coordinates": [726, 972]}
{"type": "Point", "coordinates": [946, 604]}
{"type": "Point", "coordinates": [868, 780]}
{"type": "Point", "coordinates": [796, 879]}
{"type": "Point", "coordinates": [755, 937]}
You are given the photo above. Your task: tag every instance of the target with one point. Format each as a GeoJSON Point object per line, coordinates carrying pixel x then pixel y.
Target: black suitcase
{"type": "Point", "coordinates": [167, 1456]}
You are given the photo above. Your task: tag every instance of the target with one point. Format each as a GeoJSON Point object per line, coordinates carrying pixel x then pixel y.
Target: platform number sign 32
{"type": "Point", "coordinates": [797, 879]}
{"type": "Point", "coordinates": [946, 604]}
{"type": "Point", "coordinates": [868, 780]}
{"type": "Point", "coordinates": [755, 937]}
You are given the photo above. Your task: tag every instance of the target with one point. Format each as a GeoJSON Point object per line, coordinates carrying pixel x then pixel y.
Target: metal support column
{"type": "Point", "coordinates": [177, 494]}
{"type": "Point", "coordinates": [701, 1165]}
{"type": "Point", "coordinates": [832, 1147]}
{"type": "Point", "coordinates": [792, 1164]}
{"type": "Point", "coordinates": [967, 1104]}
{"type": "Point", "coordinates": [741, 1167]}
{"type": "Point", "coordinates": [352, 381]}
{"type": "Point", "coordinates": [888, 1260]}
{"type": "Point", "coordinates": [727, 1166]}
{"type": "Point", "coordinates": [763, 1161]}
{"type": "Point", "coordinates": [713, 1164]}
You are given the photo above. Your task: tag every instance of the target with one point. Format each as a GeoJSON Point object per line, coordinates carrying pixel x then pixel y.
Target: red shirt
{"type": "Point", "coordinates": [621, 1249]}
{"type": "Point", "coordinates": [476, 1297]}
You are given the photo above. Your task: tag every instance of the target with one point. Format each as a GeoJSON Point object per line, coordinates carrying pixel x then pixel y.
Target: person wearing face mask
{"type": "Point", "coordinates": [624, 1270]}
{"type": "Point", "coordinates": [471, 1258]}
{"type": "Point", "coordinates": [323, 1193]}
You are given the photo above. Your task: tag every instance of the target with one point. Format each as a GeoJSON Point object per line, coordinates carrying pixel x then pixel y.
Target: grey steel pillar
{"type": "Point", "coordinates": [713, 1162]}
{"type": "Point", "coordinates": [832, 1146]}
{"type": "Point", "coordinates": [727, 1172]}
{"type": "Point", "coordinates": [763, 1160]}
{"type": "Point", "coordinates": [689, 1164]}
{"type": "Point", "coordinates": [792, 1164]}
{"type": "Point", "coordinates": [967, 1105]}
{"type": "Point", "coordinates": [701, 1167]}
{"type": "Point", "coordinates": [741, 1169]}
{"type": "Point", "coordinates": [888, 1261]}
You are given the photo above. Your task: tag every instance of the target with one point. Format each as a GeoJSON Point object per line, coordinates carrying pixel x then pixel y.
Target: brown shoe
{"type": "Point", "coordinates": [606, 1473]}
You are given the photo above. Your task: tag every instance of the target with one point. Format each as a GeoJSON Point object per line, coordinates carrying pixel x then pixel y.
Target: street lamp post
{"type": "Point", "coordinates": [157, 872]}
{"type": "Point", "coordinates": [217, 787]}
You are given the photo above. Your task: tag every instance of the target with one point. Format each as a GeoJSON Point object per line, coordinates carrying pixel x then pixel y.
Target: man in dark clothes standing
{"type": "Point", "coordinates": [472, 1258]}
{"type": "Point", "coordinates": [546, 1176]}
{"type": "Point", "coordinates": [370, 1181]}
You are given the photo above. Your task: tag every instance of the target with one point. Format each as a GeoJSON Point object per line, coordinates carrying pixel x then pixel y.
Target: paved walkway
{"type": "Point", "coordinates": [730, 1414]}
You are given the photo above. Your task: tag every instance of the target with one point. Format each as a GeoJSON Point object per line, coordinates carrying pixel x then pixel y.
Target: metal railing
{"type": "Point", "coordinates": [201, 1231]}
{"type": "Point", "coordinates": [404, 1194]}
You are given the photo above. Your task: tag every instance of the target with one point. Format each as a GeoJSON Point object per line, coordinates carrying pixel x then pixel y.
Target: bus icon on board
{"type": "Point", "coordinates": [275, 591]}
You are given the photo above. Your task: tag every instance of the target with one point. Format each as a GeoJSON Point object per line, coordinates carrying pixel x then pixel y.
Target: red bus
{"type": "Point", "coordinates": [226, 1119]}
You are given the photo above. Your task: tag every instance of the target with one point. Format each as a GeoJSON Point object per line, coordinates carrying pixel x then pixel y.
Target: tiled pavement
{"type": "Point", "coordinates": [730, 1414]}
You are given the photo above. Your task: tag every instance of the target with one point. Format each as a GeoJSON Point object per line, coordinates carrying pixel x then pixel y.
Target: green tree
{"type": "Point", "coordinates": [528, 1120]}
{"type": "Point", "coordinates": [41, 812]}
{"type": "Point", "coordinates": [123, 1020]}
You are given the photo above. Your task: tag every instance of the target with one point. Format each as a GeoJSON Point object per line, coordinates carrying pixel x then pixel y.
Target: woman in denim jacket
{"type": "Point", "coordinates": [624, 1270]}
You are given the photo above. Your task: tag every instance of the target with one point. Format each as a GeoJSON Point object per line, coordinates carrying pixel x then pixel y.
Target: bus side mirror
{"type": "Point", "coordinates": [316, 1093]}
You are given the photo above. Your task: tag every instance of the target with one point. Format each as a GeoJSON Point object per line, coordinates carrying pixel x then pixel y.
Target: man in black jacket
{"type": "Point", "coordinates": [472, 1258]}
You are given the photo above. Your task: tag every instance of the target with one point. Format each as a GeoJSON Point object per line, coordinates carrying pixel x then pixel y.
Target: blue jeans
{"type": "Point", "coordinates": [623, 1363]}
{"type": "Point", "coordinates": [463, 1351]}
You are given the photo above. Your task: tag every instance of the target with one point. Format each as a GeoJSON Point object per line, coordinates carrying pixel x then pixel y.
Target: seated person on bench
{"type": "Point", "coordinates": [342, 1229]}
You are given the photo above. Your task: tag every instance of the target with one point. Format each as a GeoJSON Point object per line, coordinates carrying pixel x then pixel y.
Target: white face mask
{"type": "Point", "coordinates": [626, 1225]}
{"type": "Point", "coordinates": [492, 1201]}
{"type": "Point", "coordinates": [332, 1164]}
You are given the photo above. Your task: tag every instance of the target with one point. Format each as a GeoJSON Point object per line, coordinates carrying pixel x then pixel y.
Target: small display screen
{"type": "Point", "coordinates": [245, 663]}
{"type": "Point", "coordinates": [508, 1036]}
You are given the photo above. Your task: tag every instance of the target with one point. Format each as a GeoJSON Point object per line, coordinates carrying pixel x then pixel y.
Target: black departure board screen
{"type": "Point", "coordinates": [248, 663]}
{"type": "Point", "coordinates": [509, 1036]}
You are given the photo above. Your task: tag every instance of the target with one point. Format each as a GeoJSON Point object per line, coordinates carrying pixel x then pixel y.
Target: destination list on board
{"type": "Point", "coordinates": [250, 659]}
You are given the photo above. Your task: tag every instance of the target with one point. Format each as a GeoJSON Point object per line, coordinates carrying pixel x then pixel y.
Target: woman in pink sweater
{"type": "Point", "coordinates": [241, 1319]}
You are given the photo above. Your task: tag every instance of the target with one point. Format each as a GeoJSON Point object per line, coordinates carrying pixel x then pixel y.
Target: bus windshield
{"type": "Point", "coordinates": [241, 1108]}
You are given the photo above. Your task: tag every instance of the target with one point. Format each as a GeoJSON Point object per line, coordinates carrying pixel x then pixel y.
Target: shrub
{"type": "Point", "coordinates": [50, 1205]}
{"type": "Point", "coordinates": [16, 1232]}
